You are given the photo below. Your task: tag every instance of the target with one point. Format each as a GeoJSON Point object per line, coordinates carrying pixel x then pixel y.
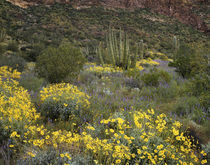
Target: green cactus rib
{"type": "Point", "coordinates": [117, 52]}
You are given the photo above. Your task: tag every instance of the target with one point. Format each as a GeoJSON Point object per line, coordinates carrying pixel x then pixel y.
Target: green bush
{"type": "Point", "coordinates": [13, 61]}
{"type": "Point", "coordinates": [31, 83]}
{"type": "Point", "coordinates": [62, 64]}
{"type": "Point", "coordinates": [190, 60]}
{"type": "Point", "coordinates": [187, 106]}
{"type": "Point", "coordinates": [155, 77]}
{"type": "Point", "coordinates": [13, 46]}
{"type": "Point", "coordinates": [2, 49]}
{"type": "Point", "coordinates": [64, 102]}
{"type": "Point", "coordinates": [150, 79]}
{"type": "Point", "coordinates": [168, 91]}
{"type": "Point", "coordinates": [35, 51]}
{"type": "Point", "coordinates": [165, 76]}
{"type": "Point", "coordinates": [49, 156]}
{"type": "Point", "coordinates": [3, 35]}
{"type": "Point", "coordinates": [54, 110]}
{"type": "Point", "coordinates": [65, 110]}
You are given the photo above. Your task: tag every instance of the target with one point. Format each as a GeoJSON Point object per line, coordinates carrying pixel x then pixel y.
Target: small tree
{"type": "Point", "coordinates": [61, 64]}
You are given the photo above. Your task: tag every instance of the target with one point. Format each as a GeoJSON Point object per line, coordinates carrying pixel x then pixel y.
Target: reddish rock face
{"type": "Point", "coordinates": [179, 9]}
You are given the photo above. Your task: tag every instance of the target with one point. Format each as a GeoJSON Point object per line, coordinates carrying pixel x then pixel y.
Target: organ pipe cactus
{"type": "Point", "coordinates": [117, 50]}
{"type": "Point", "coordinates": [2, 35]}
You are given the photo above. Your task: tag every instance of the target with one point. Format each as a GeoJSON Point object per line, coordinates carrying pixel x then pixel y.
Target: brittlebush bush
{"type": "Point", "coordinates": [16, 109]}
{"type": "Point", "coordinates": [64, 101]}
{"type": "Point", "coordinates": [146, 138]}
{"type": "Point", "coordinates": [137, 137]}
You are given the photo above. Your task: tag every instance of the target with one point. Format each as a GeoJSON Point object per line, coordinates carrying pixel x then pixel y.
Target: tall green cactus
{"type": "Point", "coordinates": [120, 48]}
{"type": "Point", "coordinates": [2, 35]}
{"type": "Point", "coordinates": [117, 50]}
{"type": "Point", "coordinates": [99, 52]}
{"type": "Point", "coordinates": [133, 63]}
{"type": "Point", "coordinates": [176, 45]}
{"type": "Point", "coordinates": [141, 45]}
{"type": "Point", "coordinates": [111, 46]}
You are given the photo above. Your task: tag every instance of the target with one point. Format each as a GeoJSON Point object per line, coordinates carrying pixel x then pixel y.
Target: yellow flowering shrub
{"type": "Point", "coordinates": [147, 138]}
{"type": "Point", "coordinates": [148, 61]}
{"type": "Point", "coordinates": [16, 109]}
{"type": "Point", "coordinates": [104, 69]}
{"type": "Point", "coordinates": [137, 137]}
{"type": "Point", "coordinates": [63, 100]}
{"type": "Point", "coordinates": [164, 140]}
{"type": "Point", "coordinates": [158, 55]}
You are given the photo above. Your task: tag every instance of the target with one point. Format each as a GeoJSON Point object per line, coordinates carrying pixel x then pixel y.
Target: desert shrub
{"type": "Point", "coordinates": [2, 49]}
{"type": "Point", "coordinates": [190, 60]}
{"type": "Point", "coordinates": [133, 83]}
{"type": "Point", "coordinates": [207, 150]}
{"type": "Point", "coordinates": [134, 72]}
{"type": "Point", "coordinates": [14, 61]}
{"type": "Point", "coordinates": [205, 101]}
{"type": "Point", "coordinates": [3, 35]}
{"type": "Point", "coordinates": [65, 102]}
{"type": "Point", "coordinates": [154, 77]}
{"type": "Point", "coordinates": [15, 106]}
{"type": "Point", "coordinates": [165, 77]}
{"type": "Point", "coordinates": [49, 156]}
{"type": "Point", "coordinates": [60, 64]}
{"type": "Point", "coordinates": [87, 77]}
{"type": "Point", "coordinates": [13, 46]}
{"type": "Point", "coordinates": [198, 116]}
{"type": "Point", "coordinates": [137, 137]}
{"type": "Point", "coordinates": [187, 106]}
{"type": "Point", "coordinates": [35, 51]}
{"type": "Point", "coordinates": [31, 82]}
{"type": "Point", "coordinates": [168, 91]}
{"type": "Point", "coordinates": [150, 79]}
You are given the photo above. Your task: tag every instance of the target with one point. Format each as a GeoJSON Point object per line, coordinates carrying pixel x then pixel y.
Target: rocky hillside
{"type": "Point", "coordinates": [183, 10]}
{"type": "Point", "coordinates": [87, 26]}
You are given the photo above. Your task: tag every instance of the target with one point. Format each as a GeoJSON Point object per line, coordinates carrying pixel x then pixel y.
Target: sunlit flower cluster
{"type": "Point", "coordinates": [7, 72]}
{"type": "Point", "coordinates": [163, 140]}
{"type": "Point", "coordinates": [151, 139]}
{"type": "Point", "coordinates": [64, 91]}
{"type": "Point", "coordinates": [16, 109]}
{"type": "Point", "coordinates": [104, 69]}
{"type": "Point", "coordinates": [148, 61]}
{"type": "Point", "coordinates": [139, 137]}
{"type": "Point", "coordinates": [159, 55]}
